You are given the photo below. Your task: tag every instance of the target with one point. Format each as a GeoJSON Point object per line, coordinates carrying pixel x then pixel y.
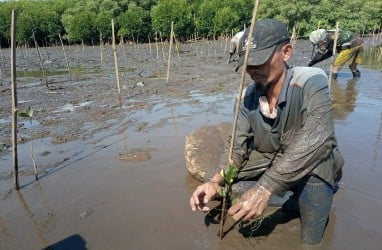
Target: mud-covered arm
{"type": "Point", "coordinates": [325, 50]}
{"type": "Point", "coordinates": [311, 143]}
{"type": "Point", "coordinates": [318, 57]}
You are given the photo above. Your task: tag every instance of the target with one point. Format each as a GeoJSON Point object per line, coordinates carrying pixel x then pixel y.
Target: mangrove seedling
{"type": "Point", "coordinates": [28, 114]}
{"type": "Point", "coordinates": [229, 174]}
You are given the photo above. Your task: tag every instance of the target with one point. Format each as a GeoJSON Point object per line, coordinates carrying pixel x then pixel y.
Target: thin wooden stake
{"type": "Point", "coordinates": [293, 37]}
{"type": "Point", "coordinates": [1, 63]}
{"type": "Point", "coordinates": [123, 48]}
{"type": "Point", "coordinates": [66, 58]}
{"type": "Point", "coordinates": [169, 51]}
{"type": "Point", "coordinates": [156, 43]}
{"type": "Point", "coordinates": [149, 44]}
{"type": "Point", "coordinates": [237, 107]}
{"type": "Point", "coordinates": [161, 41]}
{"type": "Point", "coordinates": [176, 46]}
{"type": "Point", "coordinates": [100, 46]}
{"type": "Point", "coordinates": [115, 59]}
{"type": "Point", "coordinates": [33, 157]}
{"type": "Point", "coordinates": [334, 54]}
{"type": "Point", "coordinates": [41, 62]}
{"type": "Point", "coordinates": [14, 101]}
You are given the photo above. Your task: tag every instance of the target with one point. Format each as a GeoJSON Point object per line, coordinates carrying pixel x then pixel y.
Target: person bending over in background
{"type": "Point", "coordinates": [285, 138]}
{"type": "Point", "coordinates": [234, 45]}
{"type": "Point", "coordinates": [349, 46]}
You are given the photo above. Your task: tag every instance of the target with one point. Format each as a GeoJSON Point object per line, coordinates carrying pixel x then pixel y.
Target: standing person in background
{"type": "Point", "coordinates": [349, 46]}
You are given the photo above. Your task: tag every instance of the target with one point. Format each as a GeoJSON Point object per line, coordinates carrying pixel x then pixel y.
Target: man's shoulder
{"type": "Point", "coordinates": [302, 74]}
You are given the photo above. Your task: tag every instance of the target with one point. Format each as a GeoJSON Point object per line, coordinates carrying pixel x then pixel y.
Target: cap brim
{"type": "Point", "coordinates": [257, 57]}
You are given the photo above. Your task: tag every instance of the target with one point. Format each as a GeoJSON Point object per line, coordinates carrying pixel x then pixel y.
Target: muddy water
{"type": "Point", "coordinates": [89, 198]}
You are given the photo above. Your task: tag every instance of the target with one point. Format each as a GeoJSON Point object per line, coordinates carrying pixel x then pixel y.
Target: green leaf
{"type": "Point", "coordinates": [30, 112]}
{"type": "Point", "coordinates": [27, 114]}
{"type": "Point", "coordinates": [230, 174]}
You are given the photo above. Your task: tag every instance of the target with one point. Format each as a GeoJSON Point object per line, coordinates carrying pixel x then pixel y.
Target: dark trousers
{"type": "Point", "coordinates": [311, 197]}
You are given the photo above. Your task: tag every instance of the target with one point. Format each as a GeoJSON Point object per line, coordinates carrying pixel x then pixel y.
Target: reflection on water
{"type": "Point", "coordinates": [4, 235]}
{"type": "Point", "coordinates": [30, 215]}
{"type": "Point", "coordinates": [376, 144]}
{"type": "Point", "coordinates": [343, 98]}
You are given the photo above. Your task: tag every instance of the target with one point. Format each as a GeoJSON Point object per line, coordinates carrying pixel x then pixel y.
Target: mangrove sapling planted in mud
{"type": "Point", "coordinates": [229, 174]}
{"type": "Point", "coordinates": [28, 114]}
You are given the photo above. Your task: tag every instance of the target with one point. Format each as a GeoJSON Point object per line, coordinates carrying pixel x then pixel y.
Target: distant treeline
{"type": "Point", "coordinates": [89, 21]}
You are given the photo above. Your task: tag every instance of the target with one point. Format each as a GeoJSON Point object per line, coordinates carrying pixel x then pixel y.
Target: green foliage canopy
{"type": "Point", "coordinates": [177, 11]}
{"type": "Point", "coordinates": [134, 23]}
{"type": "Point", "coordinates": [85, 20]}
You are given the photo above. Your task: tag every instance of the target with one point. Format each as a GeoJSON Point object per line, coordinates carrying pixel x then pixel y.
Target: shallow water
{"type": "Point", "coordinates": [89, 199]}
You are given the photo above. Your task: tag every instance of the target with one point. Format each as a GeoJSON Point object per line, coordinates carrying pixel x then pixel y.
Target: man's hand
{"type": "Point", "coordinates": [203, 194]}
{"type": "Point", "coordinates": [251, 204]}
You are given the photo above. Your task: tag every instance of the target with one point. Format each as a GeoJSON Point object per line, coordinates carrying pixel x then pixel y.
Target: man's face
{"type": "Point", "coordinates": [271, 71]}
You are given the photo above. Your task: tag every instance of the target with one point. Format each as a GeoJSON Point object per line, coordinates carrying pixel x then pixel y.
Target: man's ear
{"type": "Point", "coordinates": [287, 52]}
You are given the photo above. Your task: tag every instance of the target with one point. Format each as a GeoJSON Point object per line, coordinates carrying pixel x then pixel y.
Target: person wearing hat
{"type": "Point", "coordinates": [285, 141]}
{"type": "Point", "coordinates": [349, 46]}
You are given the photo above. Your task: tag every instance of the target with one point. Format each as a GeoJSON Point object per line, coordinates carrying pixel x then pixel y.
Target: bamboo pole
{"type": "Point", "coordinates": [169, 50]}
{"type": "Point", "coordinates": [14, 101]}
{"type": "Point", "coordinates": [214, 43]}
{"type": "Point", "coordinates": [334, 54]}
{"type": "Point", "coordinates": [161, 41]}
{"type": "Point", "coordinates": [226, 43]}
{"type": "Point", "coordinates": [149, 43]}
{"type": "Point", "coordinates": [100, 47]}
{"type": "Point", "coordinates": [123, 48]}
{"type": "Point", "coordinates": [293, 37]}
{"type": "Point", "coordinates": [135, 45]}
{"type": "Point", "coordinates": [41, 62]}
{"type": "Point", "coordinates": [115, 59]}
{"type": "Point", "coordinates": [138, 42]}
{"type": "Point", "coordinates": [237, 106]}
{"type": "Point", "coordinates": [156, 43]}
{"type": "Point", "coordinates": [176, 46]}
{"type": "Point", "coordinates": [63, 48]}
{"type": "Point", "coordinates": [124, 55]}
{"type": "Point", "coordinates": [194, 27]}
{"type": "Point", "coordinates": [1, 63]}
